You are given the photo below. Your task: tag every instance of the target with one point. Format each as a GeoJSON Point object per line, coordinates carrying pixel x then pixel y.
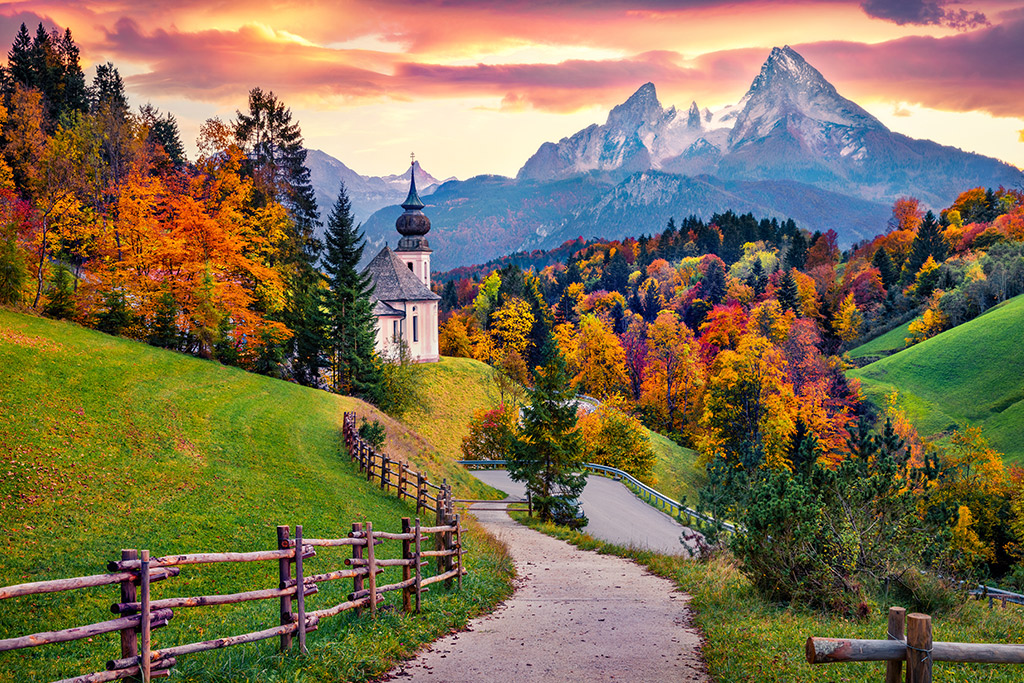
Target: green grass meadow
{"type": "Point", "coordinates": [108, 444]}
{"type": "Point", "coordinates": [884, 344]}
{"type": "Point", "coordinates": [972, 374]}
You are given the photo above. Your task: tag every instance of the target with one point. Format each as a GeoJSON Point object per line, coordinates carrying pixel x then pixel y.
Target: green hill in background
{"type": "Point", "coordinates": [108, 444]}
{"type": "Point", "coordinates": [973, 373]}
{"type": "Point", "coordinates": [884, 344]}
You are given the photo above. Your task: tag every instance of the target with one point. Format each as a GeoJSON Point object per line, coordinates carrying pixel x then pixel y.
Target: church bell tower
{"type": "Point", "coordinates": [413, 249]}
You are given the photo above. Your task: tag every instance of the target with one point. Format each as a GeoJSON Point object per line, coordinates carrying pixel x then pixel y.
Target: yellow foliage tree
{"type": "Point", "coordinates": [598, 361]}
{"type": "Point", "coordinates": [749, 406]}
{"type": "Point", "coordinates": [849, 319]}
{"type": "Point", "coordinates": [511, 325]}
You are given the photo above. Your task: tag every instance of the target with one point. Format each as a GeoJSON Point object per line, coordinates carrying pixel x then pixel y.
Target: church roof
{"type": "Point", "coordinates": [381, 309]}
{"type": "Point", "coordinates": [393, 281]}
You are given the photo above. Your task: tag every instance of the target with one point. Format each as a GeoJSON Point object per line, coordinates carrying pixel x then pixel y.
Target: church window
{"type": "Point", "coordinates": [415, 328]}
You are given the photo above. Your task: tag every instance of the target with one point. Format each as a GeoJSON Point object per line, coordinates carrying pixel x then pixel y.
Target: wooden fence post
{"type": "Point", "coordinates": [401, 480]}
{"type": "Point", "coordinates": [144, 622]}
{"type": "Point", "coordinates": [284, 573]}
{"type": "Point", "coordinates": [406, 569]}
{"type": "Point", "coordinates": [458, 548]}
{"type": "Point", "coordinates": [357, 554]}
{"type": "Point", "coordinates": [919, 648]}
{"type": "Point", "coordinates": [417, 566]}
{"type": "Point", "coordinates": [897, 616]}
{"type": "Point", "coordinates": [420, 492]}
{"type": "Point", "coordinates": [385, 463]}
{"type": "Point", "coordinates": [129, 636]}
{"type": "Point", "coordinates": [300, 590]}
{"type": "Point", "coordinates": [371, 566]}
{"type": "Point", "coordinates": [439, 521]}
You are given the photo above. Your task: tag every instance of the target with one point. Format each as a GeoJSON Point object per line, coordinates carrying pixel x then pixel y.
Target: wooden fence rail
{"type": "Point", "coordinates": [916, 648]}
{"type": "Point", "coordinates": [139, 613]}
{"type": "Point", "coordinates": [393, 474]}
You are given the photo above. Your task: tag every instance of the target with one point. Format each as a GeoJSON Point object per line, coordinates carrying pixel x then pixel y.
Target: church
{"type": "Point", "coordinates": [405, 308]}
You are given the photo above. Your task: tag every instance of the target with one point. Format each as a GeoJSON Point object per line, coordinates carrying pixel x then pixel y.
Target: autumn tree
{"type": "Point", "coordinates": [616, 439]}
{"type": "Point", "coordinates": [597, 360]}
{"type": "Point", "coordinates": [849, 319]}
{"type": "Point", "coordinates": [749, 407]}
{"type": "Point", "coordinates": [671, 391]}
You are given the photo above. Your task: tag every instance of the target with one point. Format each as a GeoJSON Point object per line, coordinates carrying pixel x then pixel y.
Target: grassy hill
{"type": "Point", "coordinates": [451, 390]}
{"type": "Point", "coordinates": [884, 344]}
{"type": "Point", "coordinates": [109, 444]}
{"type": "Point", "coordinates": [676, 472]}
{"type": "Point", "coordinates": [972, 373]}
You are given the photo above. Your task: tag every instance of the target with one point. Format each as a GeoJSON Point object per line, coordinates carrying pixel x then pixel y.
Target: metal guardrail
{"type": "Point", "coordinates": [996, 594]}
{"type": "Point", "coordinates": [642, 490]}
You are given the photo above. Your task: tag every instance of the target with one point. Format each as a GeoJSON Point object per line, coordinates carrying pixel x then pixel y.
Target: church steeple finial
{"type": "Point", "coordinates": [413, 201]}
{"type": "Point", "coordinates": [413, 225]}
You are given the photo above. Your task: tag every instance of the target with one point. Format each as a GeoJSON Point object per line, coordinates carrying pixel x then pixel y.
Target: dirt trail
{"type": "Point", "coordinates": [575, 616]}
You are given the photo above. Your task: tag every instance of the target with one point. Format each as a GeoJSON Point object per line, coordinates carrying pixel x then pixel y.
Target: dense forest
{"type": "Point", "coordinates": [729, 334]}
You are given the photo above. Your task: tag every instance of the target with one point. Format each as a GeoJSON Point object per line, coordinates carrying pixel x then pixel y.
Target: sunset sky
{"type": "Point", "coordinates": [475, 87]}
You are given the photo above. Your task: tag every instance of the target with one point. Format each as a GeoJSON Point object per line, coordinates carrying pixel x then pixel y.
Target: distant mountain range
{"type": "Point", "coordinates": [367, 193]}
{"type": "Point", "coordinates": [791, 147]}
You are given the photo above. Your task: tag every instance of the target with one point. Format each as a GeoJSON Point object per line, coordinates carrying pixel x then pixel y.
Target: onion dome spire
{"type": "Point", "coordinates": [413, 222]}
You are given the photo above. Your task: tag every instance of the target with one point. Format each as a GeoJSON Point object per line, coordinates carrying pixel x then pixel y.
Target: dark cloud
{"type": "Point", "coordinates": [981, 70]}
{"type": "Point", "coordinates": [924, 12]}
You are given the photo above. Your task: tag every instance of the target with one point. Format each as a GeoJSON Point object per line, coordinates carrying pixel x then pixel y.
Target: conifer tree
{"type": "Point", "coordinates": [928, 242]}
{"type": "Point", "coordinates": [548, 455]}
{"type": "Point", "coordinates": [788, 294]}
{"type": "Point", "coordinates": [886, 268]}
{"type": "Point", "coordinates": [713, 287]}
{"type": "Point", "coordinates": [350, 334]}
{"type": "Point", "coordinates": [796, 257]}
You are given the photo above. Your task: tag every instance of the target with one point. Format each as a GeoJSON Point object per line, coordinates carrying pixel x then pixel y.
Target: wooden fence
{"type": "Point", "coordinates": [140, 614]}
{"type": "Point", "coordinates": [394, 474]}
{"type": "Point", "coordinates": [916, 648]}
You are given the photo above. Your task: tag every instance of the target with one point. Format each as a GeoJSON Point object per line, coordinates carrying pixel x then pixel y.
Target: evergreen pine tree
{"type": "Point", "coordinates": [548, 457]}
{"type": "Point", "coordinates": [116, 315]}
{"type": "Point", "coordinates": [615, 277]}
{"type": "Point", "coordinates": [61, 297]}
{"type": "Point", "coordinates": [164, 332]}
{"type": "Point", "coordinates": [886, 268]}
{"type": "Point", "coordinates": [309, 343]}
{"type": "Point", "coordinates": [19, 59]}
{"type": "Point", "coordinates": [796, 257]}
{"type": "Point", "coordinates": [449, 297]}
{"type": "Point", "coordinates": [927, 242]}
{"type": "Point", "coordinates": [350, 334]}
{"type": "Point", "coordinates": [788, 294]}
{"type": "Point", "coordinates": [713, 287]}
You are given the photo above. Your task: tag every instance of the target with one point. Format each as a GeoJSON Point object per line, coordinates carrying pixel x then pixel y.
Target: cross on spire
{"type": "Point", "coordinates": [412, 158]}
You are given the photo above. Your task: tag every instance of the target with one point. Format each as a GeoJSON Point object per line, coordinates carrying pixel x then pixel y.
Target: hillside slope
{"type": "Point", "coordinates": [972, 373]}
{"type": "Point", "coordinates": [109, 444]}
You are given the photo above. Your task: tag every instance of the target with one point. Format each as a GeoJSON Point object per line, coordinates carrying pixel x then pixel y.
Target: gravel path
{"type": "Point", "coordinates": [575, 616]}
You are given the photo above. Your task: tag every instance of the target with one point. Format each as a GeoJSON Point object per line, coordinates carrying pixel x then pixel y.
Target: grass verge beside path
{"type": "Point", "coordinates": [108, 444]}
{"type": "Point", "coordinates": [750, 640]}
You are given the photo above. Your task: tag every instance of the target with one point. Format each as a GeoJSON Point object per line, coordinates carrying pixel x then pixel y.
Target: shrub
{"type": "Point", "coordinates": [13, 273]}
{"type": "Point", "coordinates": [373, 433]}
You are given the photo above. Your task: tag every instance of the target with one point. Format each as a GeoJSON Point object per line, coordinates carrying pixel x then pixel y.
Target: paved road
{"type": "Point", "coordinates": [575, 616]}
{"type": "Point", "coordinates": [615, 514]}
